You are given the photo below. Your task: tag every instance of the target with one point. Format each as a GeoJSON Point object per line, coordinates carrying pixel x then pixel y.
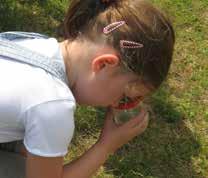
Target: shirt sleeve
{"type": "Point", "coordinates": [49, 128]}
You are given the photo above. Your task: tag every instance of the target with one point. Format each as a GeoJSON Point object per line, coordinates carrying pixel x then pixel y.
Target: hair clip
{"type": "Point", "coordinates": [113, 26]}
{"type": "Point", "coordinates": [130, 44]}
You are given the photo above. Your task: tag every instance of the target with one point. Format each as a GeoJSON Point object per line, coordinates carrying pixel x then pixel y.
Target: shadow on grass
{"type": "Point", "coordinates": [165, 150]}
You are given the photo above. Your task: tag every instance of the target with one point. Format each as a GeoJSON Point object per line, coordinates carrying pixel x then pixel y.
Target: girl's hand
{"type": "Point", "coordinates": [113, 136]}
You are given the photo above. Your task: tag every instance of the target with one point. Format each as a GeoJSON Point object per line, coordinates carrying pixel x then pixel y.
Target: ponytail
{"type": "Point", "coordinates": [80, 13]}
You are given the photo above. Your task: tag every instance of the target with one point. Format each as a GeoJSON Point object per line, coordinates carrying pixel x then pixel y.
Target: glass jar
{"type": "Point", "coordinates": [124, 115]}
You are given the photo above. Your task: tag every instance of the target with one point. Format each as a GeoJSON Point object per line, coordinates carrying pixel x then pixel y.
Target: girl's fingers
{"type": "Point", "coordinates": [142, 126]}
{"type": "Point", "coordinates": [109, 117]}
{"type": "Point", "coordinates": [137, 125]}
{"type": "Point", "coordinates": [109, 114]}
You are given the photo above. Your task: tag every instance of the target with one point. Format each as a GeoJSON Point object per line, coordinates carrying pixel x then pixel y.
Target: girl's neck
{"type": "Point", "coordinates": [66, 51]}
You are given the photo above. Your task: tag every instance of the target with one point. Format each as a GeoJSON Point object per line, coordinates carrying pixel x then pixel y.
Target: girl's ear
{"type": "Point", "coordinates": [105, 60]}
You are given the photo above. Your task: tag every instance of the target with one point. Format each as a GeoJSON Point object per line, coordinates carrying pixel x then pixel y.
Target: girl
{"type": "Point", "coordinates": [112, 51]}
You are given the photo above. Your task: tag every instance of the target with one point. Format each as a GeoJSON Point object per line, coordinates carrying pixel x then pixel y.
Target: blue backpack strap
{"type": "Point", "coordinates": [16, 52]}
{"type": "Point", "coordinates": [14, 35]}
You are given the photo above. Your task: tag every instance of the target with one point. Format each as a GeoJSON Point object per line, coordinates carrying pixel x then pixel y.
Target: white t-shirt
{"type": "Point", "coordinates": [34, 105]}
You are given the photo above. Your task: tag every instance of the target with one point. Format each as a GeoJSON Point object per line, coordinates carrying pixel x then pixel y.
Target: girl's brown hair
{"type": "Point", "coordinates": [144, 24]}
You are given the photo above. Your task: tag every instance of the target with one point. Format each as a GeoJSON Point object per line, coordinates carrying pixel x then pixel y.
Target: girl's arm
{"type": "Point", "coordinates": [84, 167]}
{"type": "Point", "coordinates": [112, 137]}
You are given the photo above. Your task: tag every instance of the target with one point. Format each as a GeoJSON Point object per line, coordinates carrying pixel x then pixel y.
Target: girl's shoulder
{"type": "Point", "coordinates": [33, 83]}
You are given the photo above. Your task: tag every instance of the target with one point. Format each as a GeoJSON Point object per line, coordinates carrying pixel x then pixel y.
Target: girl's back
{"type": "Point", "coordinates": [31, 87]}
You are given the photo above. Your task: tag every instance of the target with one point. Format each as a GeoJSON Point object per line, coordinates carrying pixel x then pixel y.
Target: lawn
{"type": "Point", "coordinates": [175, 144]}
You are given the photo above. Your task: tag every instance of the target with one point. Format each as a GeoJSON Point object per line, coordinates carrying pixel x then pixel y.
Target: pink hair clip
{"type": "Point", "coordinates": [130, 44]}
{"type": "Point", "coordinates": [113, 26]}
{"type": "Point", "coordinates": [123, 43]}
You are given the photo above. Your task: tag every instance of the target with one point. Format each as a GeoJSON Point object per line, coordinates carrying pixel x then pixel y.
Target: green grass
{"type": "Point", "coordinates": [176, 142]}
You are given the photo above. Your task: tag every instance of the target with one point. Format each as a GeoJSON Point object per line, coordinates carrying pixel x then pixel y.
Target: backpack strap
{"type": "Point", "coordinates": [14, 35]}
{"type": "Point", "coordinates": [9, 49]}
